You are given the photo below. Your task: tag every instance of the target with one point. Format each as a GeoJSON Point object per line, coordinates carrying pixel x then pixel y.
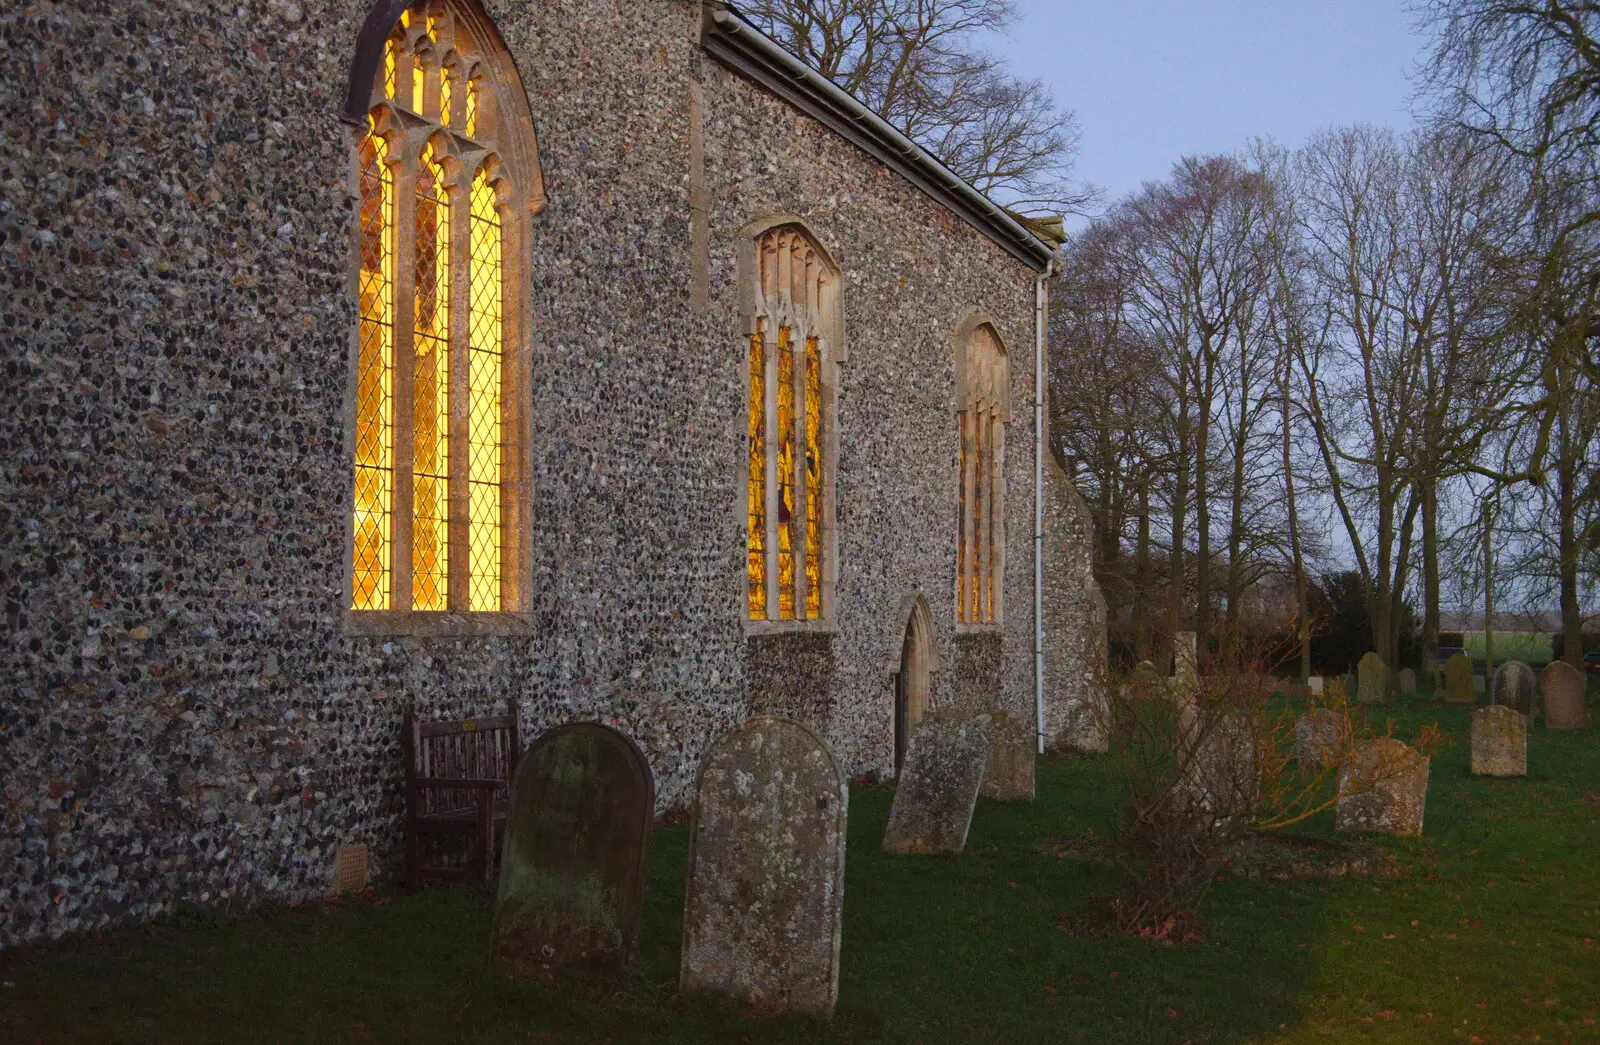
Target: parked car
{"type": "Point", "coordinates": [1591, 663]}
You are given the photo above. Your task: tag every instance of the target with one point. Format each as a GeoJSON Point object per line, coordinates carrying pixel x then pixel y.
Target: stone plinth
{"type": "Point", "coordinates": [1385, 789]}
{"type": "Point", "coordinates": [761, 917]}
{"type": "Point", "coordinates": [938, 788]}
{"type": "Point", "coordinates": [1013, 750]}
{"type": "Point", "coordinates": [1563, 689]}
{"type": "Point", "coordinates": [1499, 742]}
{"type": "Point", "coordinates": [572, 874]}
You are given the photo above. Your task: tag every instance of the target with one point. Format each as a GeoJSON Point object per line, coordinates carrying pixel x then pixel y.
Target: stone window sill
{"type": "Point", "coordinates": [757, 629]}
{"type": "Point", "coordinates": [992, 627]}
{"type": "Point", "coordinates": [385, 623]}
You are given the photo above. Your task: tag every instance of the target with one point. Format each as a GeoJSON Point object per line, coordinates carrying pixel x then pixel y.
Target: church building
{"type": "Point", "coordinates": [366, 358]}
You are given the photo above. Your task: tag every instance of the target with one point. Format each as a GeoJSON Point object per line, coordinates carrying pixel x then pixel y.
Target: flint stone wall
{"type": "Point", "coordinates": [185, 718]}
{"type": "Point", "coordinates": [1077, 712]}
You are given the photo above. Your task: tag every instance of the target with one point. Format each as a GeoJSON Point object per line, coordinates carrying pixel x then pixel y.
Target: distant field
{"type": "Point", "coordinates": [1532, 649]}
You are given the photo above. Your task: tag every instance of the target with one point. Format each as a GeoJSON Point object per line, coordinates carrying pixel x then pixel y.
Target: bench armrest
{"type": "Point", "coordinates": [460, 783]}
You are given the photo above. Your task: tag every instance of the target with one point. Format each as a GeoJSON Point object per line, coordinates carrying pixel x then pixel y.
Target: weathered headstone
{"type": "Point", "coordinates": [572, 873]}
{"type": "Point", "coordinates": [939, 783]}
{"type": "Point", "coordinates": [1499, 742]}
{"type": "Point", "coordinates": [1384, 788]}
{"type": "Point", "coordinates": [1477, 684]}
{"type": "Point", "coordinates": [1226, 777]}
{"type": "Point", "coordinates": [1185, 669]}
{"type": "Point", "coordinates": [1013, 748]}
{"type": "Point", "coordinates": [1315, 684]}
{"type": "Point", "coordinates": [1458, 680]}
{"type": "Point", "coordinates": [1516, 687]}
{"type": "Point", "coordinates": [1373, 673]}
{"type": "Point", "coordinates": [1562, 687]}
{"type": "Point", "coordinates": [1318, 736]}
{"type": "Point", "coordinates": [1145, 683]}
{"type": "Point", "coordinates": [1408, 682]}
{"type": "Point", "coordinates": [762, 909]}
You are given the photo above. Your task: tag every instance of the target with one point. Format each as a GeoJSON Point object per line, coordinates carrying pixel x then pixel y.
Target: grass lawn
{"type": "Point", "coordinates": [1485, 930]}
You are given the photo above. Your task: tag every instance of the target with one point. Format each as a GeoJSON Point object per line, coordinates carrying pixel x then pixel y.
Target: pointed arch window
{"type": "Point", "coordinates": [794, 342]}
{"type": "Point", "coordinates": [983, 407]}
{"type": "Point", "coordinates": [449, 178]}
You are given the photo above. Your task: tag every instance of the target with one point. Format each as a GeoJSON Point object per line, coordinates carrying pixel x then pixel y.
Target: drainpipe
{"type": "Point", "coordinates": [1040, 317]}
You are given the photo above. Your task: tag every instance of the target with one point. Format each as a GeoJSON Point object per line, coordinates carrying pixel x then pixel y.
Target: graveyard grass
{"type": "Point", "coordinates": [1483, 930]}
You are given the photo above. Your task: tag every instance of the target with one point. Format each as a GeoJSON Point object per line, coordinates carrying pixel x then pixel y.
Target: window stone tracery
{"type": "Point", "coordinates": [449, 177]}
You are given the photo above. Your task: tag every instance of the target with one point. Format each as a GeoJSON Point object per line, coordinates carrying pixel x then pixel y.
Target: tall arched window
{"type": "Point", "coordinates": [449, 178]}
{"type": "Point", "coordinates": [983, 383]}
{"type": "Point", "coordinates": [794, 341]}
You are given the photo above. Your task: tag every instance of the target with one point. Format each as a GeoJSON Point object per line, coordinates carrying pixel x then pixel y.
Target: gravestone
{"type": "Point", "coordinates": [1499, 742]}
{"type": "Point", "coordinates": [1013, 745]}
{"type": "Point", "coordinates": [1562, 687]}
{"type": "Point", "coordinates": [939, 783]}
{"type": "Point", "coordinates": [1458, 680]}
{"type": "Point", "coordinates": [1226, 773]}
{"type": "Point", "coordinates": [1318, 736]}
{"type": "Point", "coordinates": [1384, 788]}
{"type": "Point", "coordinates": [1315, 683]}
{"type": "Point", "coordinates": [1408, 682]}
{"type": "Point", "coordinates": [1477, 684]}
{"type": "Point", "coordinates": [572, 874]}
{"type": "Point", "coordinates": [1146, 683]}
{"type": "Point", "coordinates": [762, 908]}
{"type": "Point", "coordinates": [1516, 687]}
{"type": "Point", "coordinates": [1373, 673]}
{"type": "Point", "coordinates": [1185, 669]}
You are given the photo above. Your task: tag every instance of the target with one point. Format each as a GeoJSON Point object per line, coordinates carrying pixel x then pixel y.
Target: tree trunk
{"type": "Point", "coordinates": [1571, 613]}
{"type": "Point", "coordinates": [1141, 589]}
{"type": "Point", "coordinates": [1430, 576]}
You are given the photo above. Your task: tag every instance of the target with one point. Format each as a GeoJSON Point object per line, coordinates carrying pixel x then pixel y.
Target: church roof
{"type": "Point", "coordinates": [732, 40]}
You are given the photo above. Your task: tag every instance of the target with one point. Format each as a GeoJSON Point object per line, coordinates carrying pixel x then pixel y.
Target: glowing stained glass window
{"type": "Point", "coordinates": [446, 88]}
{"type": "Point", "coordinates": [485, 379]}
{"type": "Point", "coordinates": [474, 103]}
{"type": "Point", "coordinates": [980, 524]}
{"type": "Point", "coordinates": [787, 464]}
{"type": "Point", "coordinates": [813, 477]}
{"type": "Point", "coordinates": [756, 551]}
{"type": "Point", "coordinates": [374, 464]}
{"type": "Point", "coordinates": [391, 61]}
{"type": "Point", "coordinates": [430, 453]}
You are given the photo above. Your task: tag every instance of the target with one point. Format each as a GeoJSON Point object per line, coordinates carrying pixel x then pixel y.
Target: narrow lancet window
{"type": "Point", "coordinates": [787, 518]}
{"type": "Point", "coordinates": [436, 487]}
{"type": "Point", "coordinates": [980, 418]}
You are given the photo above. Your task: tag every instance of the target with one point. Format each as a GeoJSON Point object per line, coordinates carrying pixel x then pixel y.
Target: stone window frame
{"type": "Point", "coordinates": [834, 352]}
{"type": "Point", "coordinates": [968, 387]}
{"type": "Point", "coordinates": [508, 151]}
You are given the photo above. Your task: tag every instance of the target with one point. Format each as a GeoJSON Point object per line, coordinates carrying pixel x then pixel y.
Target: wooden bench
{"type": "Point", "coordinates": [458, 780]}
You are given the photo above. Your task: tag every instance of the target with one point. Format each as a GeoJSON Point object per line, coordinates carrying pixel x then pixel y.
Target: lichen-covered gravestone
{"type": "Point", "coordinates": [765, 895]}
{"type": "Point", "coordinates": [572, 875]}
{"type": "Point", "coordinates": [1458, 687]}
{"type": "Point", "coordinates": [1562, 687]}
{"type": "Point", "coordinates": [1515, 686]}
{"type": "Point", "coordinates": [1373, 687]}
{"type": "Point", "coordinates": [1013, 747]}
{"type": "Point", "coordinates": [1408, 682]}
{"type": "Point", "coordinates": [1384, 788]}
{"type": "Point", "coordinates": [1318, 736]}
{"type": "Point", "coordinates": [1315, 684]}
{"type": "Point", "coordinates": [939, 782]}
{"type": "Point", "coordinates": [1499, 742]}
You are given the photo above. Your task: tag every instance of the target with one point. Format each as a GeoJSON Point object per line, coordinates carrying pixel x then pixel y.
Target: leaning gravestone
{"type": "Point", "coordinates": [939, 783]}
{"type": "Point", "coordinates": [1516, 687]}
{"type": "Point", "coordinates": [572, 872]}
{"type": "Point", "coordinates": [1562, 687]}
{"type": "Point", "coordinates": [1318, 736]}
{"type": "Point", "coordinates": [1008, 771]}
{"type": "Point", "coordinates": [1408, 682]}
{"type": "Point", "coordinates": [1373, 673]}
{"type": "Point", "coordinates": [762, 908]}
{"type": "Point", "coordinates": [1499, 742]}
{"type": "Point", "coordinates": [1458, 680]}
{"type": "Point", "coordinates": [1385, 788]}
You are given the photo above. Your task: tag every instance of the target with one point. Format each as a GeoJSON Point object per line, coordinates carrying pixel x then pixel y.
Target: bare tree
{"type": "Point", "coordinates": [920, 64]}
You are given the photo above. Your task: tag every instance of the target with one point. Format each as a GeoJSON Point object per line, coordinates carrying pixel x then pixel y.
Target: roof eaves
{"type": "Point", "coordinates": [740, 46]}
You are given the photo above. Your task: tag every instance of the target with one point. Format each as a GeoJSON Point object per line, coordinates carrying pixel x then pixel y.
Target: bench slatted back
{"type": "Point", "coordinates": [474, 749]}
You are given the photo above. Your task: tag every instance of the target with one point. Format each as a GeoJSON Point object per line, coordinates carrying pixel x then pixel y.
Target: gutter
{"type": "Point", "coordinates": [1041, 316]}
{"type": "Point", "coordinates": [743, 48]}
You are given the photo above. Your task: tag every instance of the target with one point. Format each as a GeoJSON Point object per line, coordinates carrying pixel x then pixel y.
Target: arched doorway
{"type": "Point", "coordinates": [911, 678]}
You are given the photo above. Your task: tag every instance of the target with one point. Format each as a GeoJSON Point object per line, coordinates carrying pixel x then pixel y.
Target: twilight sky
{"type": "Point", "coordinates": [1152, 81]}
